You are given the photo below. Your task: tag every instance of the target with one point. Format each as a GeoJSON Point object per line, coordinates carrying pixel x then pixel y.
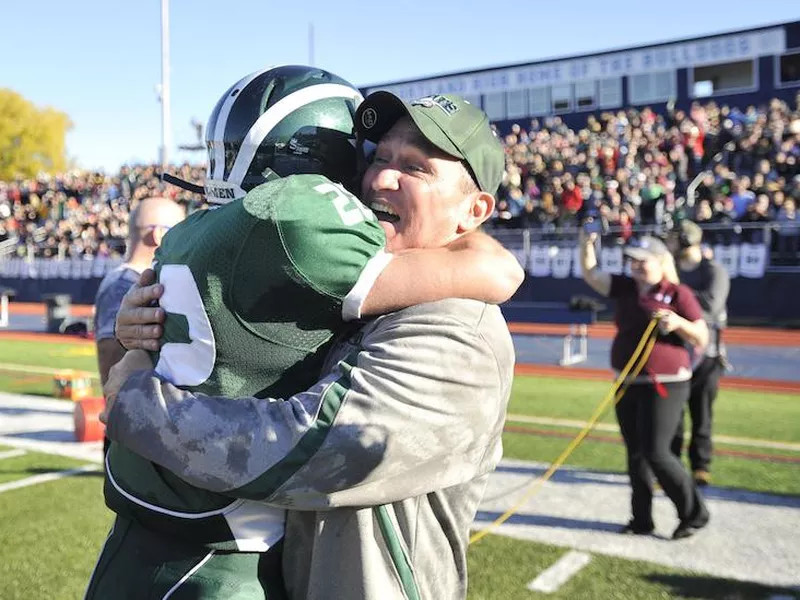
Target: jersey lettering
{"type": "Point", "coordinates": [351, 211]}
{"type": "Point", "coordinates": [186, 364]}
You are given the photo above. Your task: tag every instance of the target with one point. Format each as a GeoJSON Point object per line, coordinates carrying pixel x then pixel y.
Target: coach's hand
{"type": "Point", "coordinates": [134, 360]}
{"type": "Point", "coordinates": [138, 321]}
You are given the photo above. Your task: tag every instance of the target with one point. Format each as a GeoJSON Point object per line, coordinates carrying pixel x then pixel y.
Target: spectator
{"type": "Point", "coordinates": [711, 284]}
{"type": "Point", "coordinates": [652, 404]}
{"type": "Point", "coordinates": [741, 196]}
{"type": "Point", "coordinates": [150, 220]}
{"type": "Point", "coordinates": [789, 232]}
{"type": "Point", "coordinates": [758, 212]}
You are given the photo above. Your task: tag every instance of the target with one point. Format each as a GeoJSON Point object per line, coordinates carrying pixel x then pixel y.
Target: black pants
{"type": "Point", "coordinates": [705, 385]}
{"type": "Point", "coordinates": [648, 422]}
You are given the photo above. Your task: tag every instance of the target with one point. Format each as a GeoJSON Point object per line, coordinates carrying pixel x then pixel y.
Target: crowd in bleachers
{"type": "Point", "coordinates": [634, 167]}
{"type": "Point", "coordinates": [624, 169]}
{"type": "Point", "coordinates": [79, 214]}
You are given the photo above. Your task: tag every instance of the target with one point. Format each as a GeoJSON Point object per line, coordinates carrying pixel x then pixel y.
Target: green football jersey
{"type": "Point", "coordinates": [254, 292]}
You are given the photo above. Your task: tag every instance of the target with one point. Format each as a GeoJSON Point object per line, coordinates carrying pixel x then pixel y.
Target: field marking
{"type": "Point", "coordinates": [722, 439]}
{"type": "Point", "coordinates": [81, 451]}
{"type": "Point", "coordinates": [45, 370]}
{"type": "Point", "coordinates": [45, 477]}
{"type": "Point", "coordinates": [12, 453]}
{"type": "Point", "coordinates": [560, 572]}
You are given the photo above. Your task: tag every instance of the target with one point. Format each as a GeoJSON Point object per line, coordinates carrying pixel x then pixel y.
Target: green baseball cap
{"type": "Point", "coordinates": [449, 122]}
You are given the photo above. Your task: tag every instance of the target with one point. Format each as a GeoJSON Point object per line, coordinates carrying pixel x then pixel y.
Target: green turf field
{"type": "Point", "coordinates": [21, 361]}
{"type": "Point", "coordinates": [500, 568]}
{"type": "Point", "coordinates": [53, 531]}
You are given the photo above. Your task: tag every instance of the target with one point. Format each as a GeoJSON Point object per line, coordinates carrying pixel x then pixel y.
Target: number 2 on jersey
{"type": "Point", "coordinates": [349, 208]}
{"type": "Point", "coordinates": [180, 363]}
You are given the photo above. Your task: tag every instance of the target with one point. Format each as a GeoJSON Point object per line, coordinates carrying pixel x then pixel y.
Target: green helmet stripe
{"type": "Point", "coordinates": [222, 122]}
{"type": "Point", "coordinates": [275, 114]}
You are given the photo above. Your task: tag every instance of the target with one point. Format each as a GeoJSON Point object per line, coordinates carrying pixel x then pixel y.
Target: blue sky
{"type": "Point", "coordinates": [100, 60]}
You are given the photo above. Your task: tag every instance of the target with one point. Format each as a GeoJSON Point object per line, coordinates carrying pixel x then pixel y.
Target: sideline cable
{"type": "Point", "coordinates": [639, 357]}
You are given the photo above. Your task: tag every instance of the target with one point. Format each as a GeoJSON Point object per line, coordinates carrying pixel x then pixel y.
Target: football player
{"type": "Point", "coordinates": [255, 290]}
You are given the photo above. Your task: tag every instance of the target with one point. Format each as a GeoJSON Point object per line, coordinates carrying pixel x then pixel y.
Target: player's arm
{"type": "Point", "coordinates": [475, 266]}
{"type": "Point", "coordinates": [337, 245]}
{"type": "Point", "coordinates": [395, 421]}
{"type": "Point", "coordinates": [109, 353]}
{"type": "Point", "coordinates": [139, 323]}
{"type": "Point", "coordinates": [109, 350]}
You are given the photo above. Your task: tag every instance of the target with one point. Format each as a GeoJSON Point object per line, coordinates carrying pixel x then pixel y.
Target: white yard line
{"type": "Point", "coordinates": [84, 451]}
{"type": "Point", "coordinates": [722, 439]}
{"type": "Point", "coordinates": [582, 510]}
{"type": "Point", "coordinates": [43, 370]}
{"type": "Point", "coordinates": [560, 572]}
{"type": "Point", "coordinates": [45, 477]}
{"type": "Point", "coordinates": [12, 453]}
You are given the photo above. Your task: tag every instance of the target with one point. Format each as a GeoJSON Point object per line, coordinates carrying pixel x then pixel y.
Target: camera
{"type": "Point", "coordinates": [592, 225]}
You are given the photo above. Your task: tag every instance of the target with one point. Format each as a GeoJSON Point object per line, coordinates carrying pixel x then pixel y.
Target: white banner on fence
{"type": "Point", "coordinates": [611, 260]}
{"type": "Point", "coordinates": [728, 257]}
{"type": "Point", "coordinates": [561, 263]}
{"type": "Point", "coordinates": [577, 269]}
{"type": "Point", "coordinates": [745, 260]}
{"type": "Point", "coordinates": [539, 265]}
{"type": "Point", "coordinates": [50, 268]}
{"type": "Point", "coordinates": [543, 260]}
{"type": "Point", "coordinates": [752, 260]}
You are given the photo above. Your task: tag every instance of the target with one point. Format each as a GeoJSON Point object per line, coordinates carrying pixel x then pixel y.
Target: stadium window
{"type": "Point", "coordinates": [789, 69]}
{"type": "Point", "coordinates": [610, 92]}
{"type": "Point", "coordinates": [561, 96]}
{"type": "Point", "coordinates": [651, 87]}
{"type": "Point", "coordinates": [517, 104]}
{"type": "Point", "coordinates": [585, 95]}
{"type": "Point", "coordinates": [724, 78]}
{"type": "Point", "coordinates": [494, 105]}
{"type": "Point", "coordinates": [539, 101]}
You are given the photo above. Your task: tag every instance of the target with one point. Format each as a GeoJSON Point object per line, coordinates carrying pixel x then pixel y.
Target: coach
{"type": "Point", "coordinates": [711, 284]}
{"type": "Point", "coordinates": [650, 408]}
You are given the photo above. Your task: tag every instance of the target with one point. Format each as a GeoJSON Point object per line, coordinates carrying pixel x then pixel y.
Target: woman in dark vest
{"type": "Point", "coordinates": [650, 408]}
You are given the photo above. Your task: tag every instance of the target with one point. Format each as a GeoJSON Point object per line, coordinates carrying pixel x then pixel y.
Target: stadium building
{"type": "Point", "coordinates": [737, 68]}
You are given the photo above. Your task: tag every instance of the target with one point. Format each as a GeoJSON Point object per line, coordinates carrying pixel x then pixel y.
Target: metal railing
{"type": "Point", "coordinates": [780, 239]}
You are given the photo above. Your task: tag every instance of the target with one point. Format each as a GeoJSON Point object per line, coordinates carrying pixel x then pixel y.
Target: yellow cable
{"type": "Point", "coordinates": [639, 356]}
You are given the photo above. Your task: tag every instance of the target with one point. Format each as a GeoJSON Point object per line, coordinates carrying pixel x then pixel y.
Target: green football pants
{"type": "Point", "coordinates": [139, 564]}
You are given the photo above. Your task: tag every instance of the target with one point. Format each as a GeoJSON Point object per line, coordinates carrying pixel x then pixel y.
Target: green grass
{"type": "Point", "coordinates": [51, 534]}
{"type": "Point", "coordinates": [54, 355]}
{"type": "Point", "coordinates": [736, 413]}
{"type": "Point", "coordinates": [757, 476]}
{"type": "Point", "coordinates": [501, 567]}
{"type": "Point", "coordinates": [51, 355]}
{"type": "Point", "coordinates": [18, 382]}
{"type": "Point", "coordinates": [772, 417]}
{"type": "Point", "coordinates": [34, 463]}
{"type": "Point", "coordinates": [53, 531]}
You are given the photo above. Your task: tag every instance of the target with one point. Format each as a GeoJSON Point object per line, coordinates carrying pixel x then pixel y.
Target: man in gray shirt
{"type": "Point", "coordinates": [711, 284]}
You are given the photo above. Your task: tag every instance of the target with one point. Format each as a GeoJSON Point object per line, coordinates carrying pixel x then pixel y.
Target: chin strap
{"type": "Point", "coordinates": [191, 187]}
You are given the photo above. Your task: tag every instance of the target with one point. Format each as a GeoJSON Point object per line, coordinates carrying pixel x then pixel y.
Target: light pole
{"type": "Point", "coordinates": [166, 140]}
{"type": "Point", "coordinates": [311, 44]}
